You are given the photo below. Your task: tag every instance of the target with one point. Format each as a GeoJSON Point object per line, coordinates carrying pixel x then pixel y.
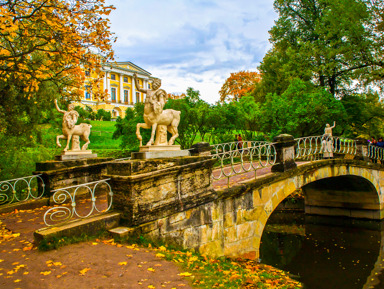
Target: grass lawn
{"type": "Point", "coordinates": [101, 135]}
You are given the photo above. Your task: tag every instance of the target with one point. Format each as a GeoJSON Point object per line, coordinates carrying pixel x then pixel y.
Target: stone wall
{"type": "Point", "coordinates": [61, 174]}
{"type": "Point", "coordinates": [146, 190]}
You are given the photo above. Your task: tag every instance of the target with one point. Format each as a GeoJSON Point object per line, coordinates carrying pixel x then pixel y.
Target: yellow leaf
{"type": "Point", "coordinates": [85, 270]}
{"type": "Point", "coordinates": [94, 243]}
{"type": "Point", "coordinates": [151, 286]}
{"type": "Point", "coordinates": [45, 273]}
{"type": "Point", "coordinates": [57, 264]}
{"type": "Point", "coordinates": [151, 269]}
{"type": "Point", "coordinates": [122, 263]}
{"type": "Point", "coordinates": [159, 255]}
{"type": "Point", "coordinates": [162, 248]}
{"type": "Point", "coordinates": [17, 281]}
{"type": "Point", "coordinates": [185, 274]}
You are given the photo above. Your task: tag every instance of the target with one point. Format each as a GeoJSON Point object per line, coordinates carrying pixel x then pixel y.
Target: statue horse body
{"type": "Point", "coordinates": [154, 115]}
{"type": "Point", "coordinates": [83, 130]}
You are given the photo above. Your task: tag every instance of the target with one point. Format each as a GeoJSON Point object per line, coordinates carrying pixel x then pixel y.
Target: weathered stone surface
{"type": "Point", "coordinates": [159, 154]}
{"type": "Point", "coordinates": [200, 149]}
{"type": "Point", "coordinates": [90, 226]}
{"type": "Point", "coordinates": [148, 190]}
{"type": "Point", "coordinates": [233, 223]}
{"type": "Point", "coordinates": [60, 174]}
{"type": "Point", "coordinates": [285, 152]}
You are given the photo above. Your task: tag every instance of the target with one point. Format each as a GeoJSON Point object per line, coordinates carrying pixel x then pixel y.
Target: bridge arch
{"type": "Point", "coordinates": [244, 226]}
{"type": "Point", "coordinates": [231, 221]}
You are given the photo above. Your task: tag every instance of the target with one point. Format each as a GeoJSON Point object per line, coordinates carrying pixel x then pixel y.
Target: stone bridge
{"type": "Point", "coordinates": [176, 200]}
{"type": "Point", "coordinates": [232, 222]}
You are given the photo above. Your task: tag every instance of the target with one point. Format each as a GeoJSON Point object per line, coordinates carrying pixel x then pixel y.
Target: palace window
{"type": "Point", "coordinates": [125, 95]}
{"type": "Point", "coordinates": [113, 77]}
{"type": "Point", "coordinates": [149, 86]}
{"type": "Point", "coordinates": [125, 79]}
{"type": "Point", "coordinates": [87, 94]}
{"type": "Point", "coordinates": [113, 94]}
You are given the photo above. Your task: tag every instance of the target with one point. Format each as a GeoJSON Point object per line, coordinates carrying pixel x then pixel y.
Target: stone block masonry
{"type": "Point", "coordinates": [61, 174]}
{"type": "Point", "coordinates": [147, 190]}
{"type": "Point", "coordinates": [231, 223]}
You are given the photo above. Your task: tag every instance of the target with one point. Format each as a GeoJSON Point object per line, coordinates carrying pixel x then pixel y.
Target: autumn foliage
{"type": "Point", "coordinates": [238, 85]}
{"type": "Point", "coordinates": [53, 41]}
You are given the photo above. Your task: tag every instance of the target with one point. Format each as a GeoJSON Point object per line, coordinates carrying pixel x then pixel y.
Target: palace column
{"type": "Point", "coordinates": [121, 89]}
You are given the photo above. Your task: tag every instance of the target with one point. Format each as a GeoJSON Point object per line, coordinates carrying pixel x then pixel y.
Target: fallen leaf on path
{"type": "Point", "coordinates": [85, 270]}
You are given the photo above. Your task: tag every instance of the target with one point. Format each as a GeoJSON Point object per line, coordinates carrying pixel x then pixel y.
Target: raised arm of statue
{"type": "Point", "coordinates": [58, 108]}
{"type": "Point", "coordinates": [137, 84]}
{"type": "Point", "coordinates": [334, 124]}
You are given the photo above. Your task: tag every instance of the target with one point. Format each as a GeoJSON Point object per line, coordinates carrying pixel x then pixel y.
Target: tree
{"type": "Point", "coordinates": [250, 116]}
{"type": "Point", "coordinates": [48, 45]}
{"type": "Point", "coordinates": [335, 44]}
{"type": "Point", "coordinates": [238, 84]}
{"type": "Point", "coordinates": [302, 110]}
{"type": "Point", "coordinates": [193, 119]}
{"type": "Point", "coordinates": [365, 114]}
{"type": "Point", "coordinates": [126, 128]}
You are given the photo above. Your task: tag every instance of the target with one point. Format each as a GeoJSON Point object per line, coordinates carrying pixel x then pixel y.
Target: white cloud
{"type": "Point", "coordinates": [194, 43]}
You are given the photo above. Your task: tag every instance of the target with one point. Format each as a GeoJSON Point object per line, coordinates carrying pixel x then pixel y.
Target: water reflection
{"type": "Point", "coordinates": [325, 253]}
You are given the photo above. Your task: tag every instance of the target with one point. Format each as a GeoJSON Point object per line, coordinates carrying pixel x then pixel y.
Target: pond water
{"type": "Point", "coordinates": [325, 253]}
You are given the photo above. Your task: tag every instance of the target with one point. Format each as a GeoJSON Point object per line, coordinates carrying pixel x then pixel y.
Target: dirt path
{"type": "Point", "coordinates": [98, 264]}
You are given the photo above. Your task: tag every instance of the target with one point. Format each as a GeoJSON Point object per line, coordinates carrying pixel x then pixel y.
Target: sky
{"type": "Point", "coordinates": [192, 43]}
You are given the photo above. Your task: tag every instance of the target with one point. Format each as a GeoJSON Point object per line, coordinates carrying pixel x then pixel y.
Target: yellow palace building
{"type": "Point", "coordinates": [119, 84]}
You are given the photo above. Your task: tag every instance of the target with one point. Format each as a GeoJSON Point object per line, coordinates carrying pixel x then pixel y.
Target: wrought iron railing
{"type": "Point", "coordinates": [318, 147]}
{"type": "Point", "coordinates": [236, 158]}
{"type": "Point", "coordinates": [21, 189]}
{"type": "Point", "coordinates": [376, 153]}
{"type": "Point", "coordinates": [74, 203]}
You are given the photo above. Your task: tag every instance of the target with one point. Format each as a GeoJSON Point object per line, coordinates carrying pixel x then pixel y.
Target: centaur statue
{"type": "Point", "coordinates": [159, 120]}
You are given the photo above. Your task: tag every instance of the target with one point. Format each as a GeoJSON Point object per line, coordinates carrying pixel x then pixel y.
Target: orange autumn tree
{"type": "Point", "coordinates": [45, 48]}
{"type": "Point", "coordinates": [238, 85]}
{"type": "Point", "coordinates": [53, 41]}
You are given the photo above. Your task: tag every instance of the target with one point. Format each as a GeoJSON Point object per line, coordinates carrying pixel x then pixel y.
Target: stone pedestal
{"type": "Point", "coordinates": [75, 155]}
{"type": "Point", "coordinates": [361, 149]}
{"type": "Point", "coordinates": [159, 151]}
{"type": "Point", "coordinates": [285, 153]}
{"type": "Point", "coordinates": [148, 190]}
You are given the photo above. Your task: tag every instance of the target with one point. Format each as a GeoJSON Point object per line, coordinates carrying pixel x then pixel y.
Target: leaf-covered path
{"type": "Point", "coordinates": [97, 264]}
